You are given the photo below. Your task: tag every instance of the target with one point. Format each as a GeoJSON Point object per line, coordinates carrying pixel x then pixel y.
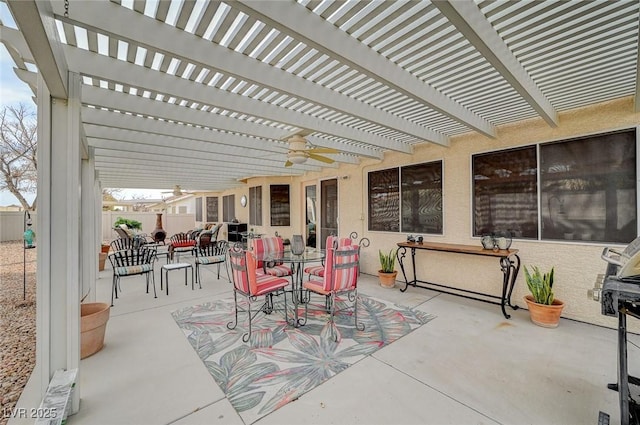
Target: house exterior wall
{"type": "Point", "coordinates": [576, 263]}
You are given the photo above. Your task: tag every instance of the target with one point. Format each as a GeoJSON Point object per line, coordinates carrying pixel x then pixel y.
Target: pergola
{"type": "Point", "coordinates": [213, 91]}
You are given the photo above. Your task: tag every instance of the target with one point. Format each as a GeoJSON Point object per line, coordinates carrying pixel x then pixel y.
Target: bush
{"type": "Point", "coordinates": [131, 224]}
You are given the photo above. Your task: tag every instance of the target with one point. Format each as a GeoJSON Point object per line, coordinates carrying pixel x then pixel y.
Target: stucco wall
{"type": "Point", "coordinates": [577, 263]}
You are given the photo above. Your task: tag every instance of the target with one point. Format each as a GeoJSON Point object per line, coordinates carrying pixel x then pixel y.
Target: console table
{"type": "Point", "coordinates": [509, 265]}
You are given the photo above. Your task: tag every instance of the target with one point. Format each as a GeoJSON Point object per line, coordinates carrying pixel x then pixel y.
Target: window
{"type": "Point", "coordinates": [421, 187]}
{"type": "Point", "coordinates": [228, 208]}
{"type": "Point", "coordinates": [198, 209]}
{"type": "Point", "coordinates": [587, 190]}
{"type": "Point", "coordinates": [280, 207]}
{"type": "Point", "coordinates": [384, 200]}
{"type": "Point", "coordinates": [255, 206]}
{"type": "Point", "coordinates": [407, 199]}
{"type": "Point", "coordinates": [505, 192]}
{"type": "Point", "coordinates": [212, 209]}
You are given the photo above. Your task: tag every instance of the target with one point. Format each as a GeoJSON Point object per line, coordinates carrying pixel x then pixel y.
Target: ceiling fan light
{"type": "Point", "coordinates": [297, 157]}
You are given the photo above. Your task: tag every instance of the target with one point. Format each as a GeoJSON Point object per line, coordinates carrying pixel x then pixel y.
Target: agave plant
{"type": "Point", "coordinates": [387, 261]}
{"type": "Point", "coordinates": [540, 285]}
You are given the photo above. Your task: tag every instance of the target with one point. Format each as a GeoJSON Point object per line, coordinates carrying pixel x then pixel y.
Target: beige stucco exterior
{"type": "Point", "coordinates": [576, 263]}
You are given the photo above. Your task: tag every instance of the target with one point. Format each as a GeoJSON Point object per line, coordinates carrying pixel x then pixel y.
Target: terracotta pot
{"type": "Point", "coordinates": [547, 316]}
{"type": "Point", "coordinates": [387, 280]}
{"type": "Point", "coordinates": [105, 249]}
{"type": "Point", "coordinates": [102, 258]}
{"type": "Point", "coordinates": [93, 323]}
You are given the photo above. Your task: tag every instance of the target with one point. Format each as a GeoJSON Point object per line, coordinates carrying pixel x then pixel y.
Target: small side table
{"type": "Point", "coordinates": [166, 268]}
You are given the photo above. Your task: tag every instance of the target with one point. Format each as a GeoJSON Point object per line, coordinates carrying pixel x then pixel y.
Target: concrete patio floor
{"type": "Point", "coordinates": [467, 366]}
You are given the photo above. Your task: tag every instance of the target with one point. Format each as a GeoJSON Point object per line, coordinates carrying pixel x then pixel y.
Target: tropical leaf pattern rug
{"type": "Point", "coordinates": [280, 362]}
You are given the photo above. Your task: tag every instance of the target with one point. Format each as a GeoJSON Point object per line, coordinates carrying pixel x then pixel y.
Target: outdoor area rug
{"type": "Point", "coordinates": [280, 362]}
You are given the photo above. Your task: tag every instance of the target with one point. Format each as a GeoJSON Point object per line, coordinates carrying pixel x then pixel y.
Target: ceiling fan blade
{"type": "Point", "coordinates": [288, 164]}
{"type": "Point", "coordinates": [321, 158]}
{"type": "Point", "coordinates": [323, 150]}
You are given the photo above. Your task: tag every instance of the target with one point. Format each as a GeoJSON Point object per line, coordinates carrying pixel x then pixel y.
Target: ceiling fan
{"type": "Point", "coordinates": [299, 152]}
{"type": "Point", "coordinates": [177, 191]}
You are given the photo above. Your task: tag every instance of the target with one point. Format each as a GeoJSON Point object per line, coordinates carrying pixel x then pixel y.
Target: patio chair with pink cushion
{"type": "Point", "coordinates": [340, 278]}
{"type": "Point", "coordinates": [318, 270]}
{"type": "Point", "coordinates": [252, 285]}
{"type": "Point", "coordinates": [262, 248]}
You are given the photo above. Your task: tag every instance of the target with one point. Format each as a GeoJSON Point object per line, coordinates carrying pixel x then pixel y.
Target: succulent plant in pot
{"type": "Point", "coordinates": [544, 308]}
{"type": "Point", "coordinates": [387, 272]}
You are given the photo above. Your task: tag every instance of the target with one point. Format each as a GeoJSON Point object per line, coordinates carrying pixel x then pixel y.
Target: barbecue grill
{"type": "Point", "coordinates": [618, 291]}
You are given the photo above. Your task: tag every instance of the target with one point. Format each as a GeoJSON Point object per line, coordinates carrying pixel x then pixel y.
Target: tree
{"type": "Point", "coordinates": [109, 195]}
{"type": "Point", "coordinates": [18, 161]}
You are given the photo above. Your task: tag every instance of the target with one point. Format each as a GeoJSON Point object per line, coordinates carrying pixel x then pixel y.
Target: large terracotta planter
{"type": "Point", "coordinates": [547, 316]}
{"type": "Point", "coordinates": [102, 259]}
{"type": "Point", "coordinates": [387, 280]}
{"type": "Point", "coordinates": [93, 323]}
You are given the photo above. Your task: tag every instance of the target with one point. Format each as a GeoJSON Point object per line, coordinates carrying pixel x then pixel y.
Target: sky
{"type": "Point", "coordinates": [13, 91]}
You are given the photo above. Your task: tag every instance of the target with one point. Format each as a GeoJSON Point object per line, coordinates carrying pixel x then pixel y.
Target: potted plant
{"type": "Point", "coordinates": [130, 223]}
{"type": "Point", "coordinates": [544, 308]}
{"type": "Point", "coordinates": [387, 272]}
{"type": "Point", "coordinates": [93, 324]}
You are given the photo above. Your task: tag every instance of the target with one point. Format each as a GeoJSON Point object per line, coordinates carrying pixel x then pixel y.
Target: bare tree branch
{"type": "Point", "coordinates": [18, 150]}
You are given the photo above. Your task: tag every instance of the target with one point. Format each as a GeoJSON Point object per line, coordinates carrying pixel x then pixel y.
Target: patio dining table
{"type": "Point", "coordinates": [297, 263]}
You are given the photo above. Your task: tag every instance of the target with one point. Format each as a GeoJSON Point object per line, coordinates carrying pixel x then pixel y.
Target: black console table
{"type": "Point", "coordinates": [235, 230]}
{"type": "Point", "coordinates": [509, 264]}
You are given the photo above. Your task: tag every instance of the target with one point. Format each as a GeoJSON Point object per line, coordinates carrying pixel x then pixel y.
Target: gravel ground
{"type": "Point", "coordinates": [17, 323]}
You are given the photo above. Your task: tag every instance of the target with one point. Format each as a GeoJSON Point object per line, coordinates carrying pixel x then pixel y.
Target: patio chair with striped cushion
{"type": "Point", "coordinates": [340, 278]}
{"type": "Point", "coordinates": [249, 284]}
{"type": "Point", "coordinates": [210, 253]}
{"type": "Point", "coordinates": [318, 270]}
{"type": "Point", "coordinates": [132, 262]}
{"type": "Point", "coordinates": [262, 247]}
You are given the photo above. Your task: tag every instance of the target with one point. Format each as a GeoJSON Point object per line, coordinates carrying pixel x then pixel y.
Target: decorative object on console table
{"type": "Point", "coordinates": [502, 239]}
{"type": "Point", "coordinates": [488, 242]}
{"type": "Point", "coordinates": [544, 308]}
{"type": "Point", "coordinates": [387, 272]}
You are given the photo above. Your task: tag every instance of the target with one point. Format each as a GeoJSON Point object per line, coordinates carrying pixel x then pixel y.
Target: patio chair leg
{"type": "Point", "coordinates": [153, 278]}
{"type": "Point", "coordinates": [113, 288]}
{"type": "Point", "coordinates": [333, 329]}
{"type": "Point", "coordinates": [247, 336]}
{"type": "Point", "coordinates": [235, 303]}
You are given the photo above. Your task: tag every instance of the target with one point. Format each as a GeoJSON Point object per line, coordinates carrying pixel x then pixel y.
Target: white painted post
{"type": "Point", "coordinates": [43, 271]}
{"type": "Point", "coordinates": [90, 244]}
{"type": "Point", "coordinates": [58, 270]}
{"type": "Point", "coordinates": [75, 244]}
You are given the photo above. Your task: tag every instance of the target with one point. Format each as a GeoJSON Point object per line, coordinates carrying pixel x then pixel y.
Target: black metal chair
{"type": "Point", "coordinates": [211, 253]}
{"type": "Point", "coordinates": [181, 243]}
{"type": "Point", "coordinates": [122, 244]}
{"type": "Point", "coordinates": [132, 262]}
